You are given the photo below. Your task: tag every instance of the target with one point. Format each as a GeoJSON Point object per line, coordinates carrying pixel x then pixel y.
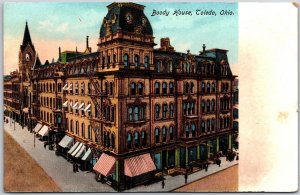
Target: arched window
{"type": "Point", "coordinates": [203, 126]}
{"type": "Point", "coordinates": [146, 62]}
{"type": "Point", "coordinates": [90, 132]}
{"type": "Point", "coordinates": [187, 87]}
{"type": "Point", "coordinates": [140, 88]}
{"type": "Point", "coordinates": [184, 109]}
{"type": "Point", "coordinates": [171, 110]}
{"type": "Point", "coordinates": [112, 141]}
{"type": "Point", "coordinates": [213, 105]}
{"type": "Point", "coordinates": [193, 107]}
{"type": "Point", "coordinates": [164, 134]}
{"type": "Point", "coordinates": [142, 108]}
{"type": "Point", "coordinates": [192, 87]}
{"type": "Point", "coordinates": [129, 140]}
{"type": "Point", "coordinates": [171, 86]}
{"type": "Point", "coordinates": [212, 124]}
{"type": "Point", "coordinates": [136, 139]}
{"type": "Point", "coordinates": [144, 138]}
{"type": "Point", "coordinates": [187, 132]}
{"type": "Point", "coordinates": [208, 88]}
{"type": "Point", "coordinates": [208, 125]}
{"type": "Point", "coordinates": [126, 60]}
{"type": "Point", "coordinates": [82, 130]}
{"type": "Point", "coordinates": [157, 111]}
{"type": "Point", "coordinates": [203, 106]}
{"type": "Point", "coordinates": [136, 113]}
{"type": "Point", "coordinates": [164, 88]}
{"type": "Point", "coordinates": [171, 129]}
{"type": "Point", "coordinates": [213, 88]}
{"type": "Point", "coordinates": [71, 126]}
{"type": "Point", "coordinates": [188, 108]}
{"type": "Point", "coordinates": [77, 128]}
{"type": "Point", "coordinates": [203, 87]}
{"type": "Point", "coordinates": [111, 88]}
{"type": "Point", "coordinates": [136, 60]}
{"type": "Point", "coordinates": [130, 111]}
{"type": "Point", "coordinates": [156, 135]}
{"type": "Point", "coordinates": [133, 88]}
{"type": "Point", "coordinates": [165, 109]}
{"type": "Point", "coordinates": [208, 106]}
{"type": "Point", "coordinates": [193, 127]}
{"type": "Point", "coordinates": [157, 88]}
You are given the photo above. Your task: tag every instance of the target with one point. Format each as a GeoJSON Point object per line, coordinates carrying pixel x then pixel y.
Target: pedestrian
{"type": "Point", "coordinates": [185, 177]}
{"type": "Point", "coordinates": [74, 168]}
{"type": "Point", "coordinates": [45, 145]}
{"type": "Point", "coordinates": [163, 184]}
{"type": "Point", "coordinates": [237, 156]}
{"type": "Point", "coordinates": [219, 162]}
{"type": "Point", "coordinates": [206, 167]}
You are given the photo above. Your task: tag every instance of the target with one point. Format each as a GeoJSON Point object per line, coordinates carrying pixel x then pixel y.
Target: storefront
{"type": "Point", "coordinates": [64, 145]}
{"type": "Point", "coordinates": [105, 169]}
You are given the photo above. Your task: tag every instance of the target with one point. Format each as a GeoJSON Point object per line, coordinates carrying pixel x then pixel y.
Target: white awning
{"type": "Point", "coordinates": [77, 150]}
{"type": "Point", "coordinates": [66, 142]}
{"type": "Point", "coordinates": [81, 106]}
{"type": "Point", "coordinates": [65, 87]}
{"type": "Point", "coordinates": [87, 155]}
{"type": "Point", "coordinates": [65, 104]}
{"type": "Point", "coordinates": [75, 105]}
{"type": "Point", "coordinates": [71, 104]}
{"type": "Point", "coordinates": [44, 131]}
{"type": "Point", "coordinates": [70, 87]}
{"type": "Point", "coordinates": [87, 109]}
{"type": "Point", "coordinates": [73, 148]}
{"type": "Point", "coordinates": [81, 152]}
{"type": "Point", "coordinates": [37, 127]}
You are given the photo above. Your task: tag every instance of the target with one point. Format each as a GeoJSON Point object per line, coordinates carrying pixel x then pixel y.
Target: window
{"type": "Point", "coordinates": [208, 88]}
{"type": "Point", "coordinates": [156, 135]}
{"type": "Point", "coordinates": [136, 60]}
{"type": "Point", "coordinates": [164, 136]}
{"type": "Point", "coordinates": [157, 88]}
{"type": "Point", "coordinates": [171, 110]}
{"type": "Point", "coordinates": [82, 130]}
{"type": "Point", "coordinates": [208, 125]}
{"type": "Point", "coordinates": [130, 114]}
{"type": "Point", "coordinates": [108, 140]}
{"type": "Point", "coordinates": [106, 88]}
{"type": "Point", "coordinates": [212, 124]}
{"type": "Point", "coordinates": [221, 123]}
{"type": "Point", "coordinates": [129, 140]}
{"type": "Point", "coordinates": [192, 87]}
{"type": "Point", "coordinates": [126, 60]}
{"type": "Point", "coordinates": [213, 87]}
{"type": "Point", "coordinates": [89, 132]}
{"type": "Point", "coordinates": [111, 88]}
{"type": "Point", "coordinates": [144, 138]}
{"type": "Point", "coordinates": [165, 109]}
{"type": "Point", "coordinates": [142, 112]}
{"type": "Point", "coordinates": [136, 113]}
{"type": "Point", "coordinates": [208, 106]}
{"type": "Point", "coordinates": [112, 114]}
{"type": "Point", "coordinates": [213, 105]}
{"type": "Point", "coordinates": [114, 59]}
{"type": "Point", "coordinates": [76, 88]}
{"type": "Point", "coordinates": [133, 88]}
{"type": "Point", "coordinates": [193, 127]}
{"type": "Point", "coordinates": [108, 61]}
{"type": "Point", "coordinates": [82, 88]}
{"type": "Point", "coordinates": [112, 141]}
{"type": "Point", "coordinates": [146, 61]}
{"type": "Point", "coordinates": [164, 88]}
{"type": "Point", "coordinates": [140, 88]}
{"type": "Point", "coordinates": [157, 111]}
{"type": "Point", "coordinates": [203, 126]}
{"type": "Point", "coordinates": [187, 133]}
{"type": "Point", "coordinates": [203, 106]}
{"type": "Point", "coordinates": [171, 85]}
{"type": "Point", "coordinates": [77, 128]}
{"type": "Point", "coordinates": [136, 139]}
{"type": "Point", "coordinates": [159, 66]}
{"type": "Point", "coordinates": [71, 88]}
{"type": "Point", "coordinates": [187, 87]}
{"type": "Point", "coordinates": [203, 87]}
{"type": "Point", "coordinates": [171, 129]}
{"type": "Point", "coordinates": [89, 88]}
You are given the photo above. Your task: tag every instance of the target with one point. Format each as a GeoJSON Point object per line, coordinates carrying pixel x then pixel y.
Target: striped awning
{"type": "Point", "coordinates": [44, 131]}
{"type": "Point", "coordinates": [87, 155]}
{"type": "Point", "coordinates": [70, 86]}
{"type": "Point", "coordinates": [73, 148]}
{"type": "Point", "coordinates": [138, 165]}
{"type": "Point", "coordinates": [66, 142]}
{"type": "Point", "coordinates": [65, 104]}
{"type": "Point", "coordinates": [75, 106]}
{"type": "Point", "coordinates": [81, 107]}
{"type": "Point", "coordinates": [77, 149]}
{"type": "Point", "coordinates": [105, 165]}
{"type": "Point", "coordinates": [37, 127]}
{"type": "Point", "coordinates": [65, 87]}
{"type": "Point", "coordinates": [87, 109]}
{"type": "Point", "coordinates": [81, 152]}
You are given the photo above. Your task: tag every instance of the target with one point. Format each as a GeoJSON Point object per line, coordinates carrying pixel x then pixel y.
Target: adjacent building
{"type": "Point", "coordinates": [130, 111]}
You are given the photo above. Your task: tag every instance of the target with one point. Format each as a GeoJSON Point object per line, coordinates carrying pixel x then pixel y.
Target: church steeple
{"type": "Point", "coordinates": [26, 38]}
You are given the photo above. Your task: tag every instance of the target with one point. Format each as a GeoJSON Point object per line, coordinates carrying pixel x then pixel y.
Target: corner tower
{"type": "Point", "coordinates": [126, 38]}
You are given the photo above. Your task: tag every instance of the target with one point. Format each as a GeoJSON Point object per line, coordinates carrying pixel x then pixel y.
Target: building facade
{"type": "Point", "coordinates": [141, 112]}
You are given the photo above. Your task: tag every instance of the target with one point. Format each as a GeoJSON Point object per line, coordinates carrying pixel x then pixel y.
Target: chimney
{"type": "Point", "coordinates": [203, 52]}
{"type": "Point", "coordinates": [59, 54]}
{"type": "Point", "coordinates": [87, 42]}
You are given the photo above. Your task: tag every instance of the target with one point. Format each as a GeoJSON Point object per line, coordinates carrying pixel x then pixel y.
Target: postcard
{"type": "Point", "coordinates": [144, 97]}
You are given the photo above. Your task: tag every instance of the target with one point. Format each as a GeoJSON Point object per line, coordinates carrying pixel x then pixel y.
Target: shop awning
{"type": "Point", "coordinates": [71, 104]}
{"type": "Point", "coordinates": [66, 142]}
{"type": "Point", "coordinates": [87, 156]}
{"type": "Point", "coordinates": [77, 149]}
{"type": "Point", "coordinates": [87, 109]}
{"type": "Point", "coordinates": [75, 105]}
{"type": "Point", "coordinates": [73, 148]}
{"type": "Point", "coordinates": [81, 152]}
{"type": "Point", "coordinates": [65, 87]}
{"type": "Point", "coordinates": [44, 131]}
{"type": "Point", "coordinates": [138, 165]}
{"type": "Point", "coordinates": [81, 106]}
{"type": "Point", "coordinates": [70, 87]}
{"type": "Point", "coordinates": [105, 165]}
{"type": "Point", "coordinates": [37, 127]}
{"type": "Point", "coordinates": [65, 104]}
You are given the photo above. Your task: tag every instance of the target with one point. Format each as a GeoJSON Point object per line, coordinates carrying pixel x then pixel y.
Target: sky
{"type": "Point", "coordinates": [66, 25]}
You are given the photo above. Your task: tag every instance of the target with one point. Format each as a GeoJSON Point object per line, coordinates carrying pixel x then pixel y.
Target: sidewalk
{"type": "Point", "coordinates": [62, 173]}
